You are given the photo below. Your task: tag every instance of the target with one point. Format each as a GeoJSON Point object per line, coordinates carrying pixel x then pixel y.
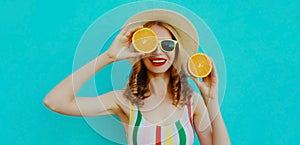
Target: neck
{"type": "Point", "coordinates": [158, 83]}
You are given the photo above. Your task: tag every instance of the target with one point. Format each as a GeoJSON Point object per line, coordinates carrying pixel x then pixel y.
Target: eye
{"type": "Point", "coordinates": [167, 45]}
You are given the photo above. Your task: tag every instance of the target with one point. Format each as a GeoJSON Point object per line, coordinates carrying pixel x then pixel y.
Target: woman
{"type": "Point", "coordinates": [157, 106]}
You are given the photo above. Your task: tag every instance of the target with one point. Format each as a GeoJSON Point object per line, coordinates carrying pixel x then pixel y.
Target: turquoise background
{"type": "Point", "coordinates": [259, 40]}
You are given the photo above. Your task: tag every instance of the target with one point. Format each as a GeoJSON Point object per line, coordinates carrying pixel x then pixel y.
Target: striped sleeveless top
{"type": "Point", "coordinates": [142, 132]}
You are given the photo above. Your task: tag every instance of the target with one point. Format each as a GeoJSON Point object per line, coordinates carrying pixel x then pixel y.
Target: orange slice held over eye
{"type": "Point", "coordinates": [144, 40]}
{"type": "Point", "coordinates": [199, 65]}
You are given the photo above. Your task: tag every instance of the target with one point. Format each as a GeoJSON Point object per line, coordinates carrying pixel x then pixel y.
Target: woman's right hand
{"type": "Point", "coordinates": [120, 48]}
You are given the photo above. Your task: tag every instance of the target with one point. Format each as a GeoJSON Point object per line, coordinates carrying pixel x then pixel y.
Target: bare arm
{"type": "Point", "coordinates": [202, 121]}
{"type": "Point", "coordinates": [209, 90]}
{"type": "Point", "coordinates": [220, 135]}
{"type": "Point", "coordinates": [62, 97]}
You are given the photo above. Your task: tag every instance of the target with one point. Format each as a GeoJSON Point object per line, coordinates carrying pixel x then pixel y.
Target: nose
{"type": "Point", "coordinates": [157, 51]}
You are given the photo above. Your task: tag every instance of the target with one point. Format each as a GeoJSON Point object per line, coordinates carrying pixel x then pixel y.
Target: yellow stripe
{"type": "Point", "coordinates": [169, 135]}
{"type": "Point", "coordinates": [131, 115]}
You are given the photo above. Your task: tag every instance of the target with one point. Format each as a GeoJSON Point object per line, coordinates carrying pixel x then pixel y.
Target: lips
{"type": "Point", "coordinates": [156, 61]}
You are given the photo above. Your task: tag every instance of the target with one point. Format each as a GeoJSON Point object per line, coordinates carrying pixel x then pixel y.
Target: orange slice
{"type": "Point", "coordinates": [144, 40]}
{"type": "Point", "coordinates": [199, 65]}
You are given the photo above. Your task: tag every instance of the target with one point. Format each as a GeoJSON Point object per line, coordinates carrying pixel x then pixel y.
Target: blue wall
{"type": "Point", "coordinates": [259, 40]}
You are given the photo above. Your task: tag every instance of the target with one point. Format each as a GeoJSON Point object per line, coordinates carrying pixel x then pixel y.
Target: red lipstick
{"type": "Point", "coordinates": [156, 61]}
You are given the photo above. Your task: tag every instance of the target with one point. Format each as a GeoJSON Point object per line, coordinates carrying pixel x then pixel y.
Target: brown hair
{"type": "Point", "coordinates": [137, 88]}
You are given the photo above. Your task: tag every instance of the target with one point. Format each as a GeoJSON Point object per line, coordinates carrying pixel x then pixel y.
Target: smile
{"type": "Point", "coordinates": [158, 61]}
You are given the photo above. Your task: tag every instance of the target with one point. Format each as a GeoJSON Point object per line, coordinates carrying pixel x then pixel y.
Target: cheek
{"type": "Point", "coordinates": [172, 56]}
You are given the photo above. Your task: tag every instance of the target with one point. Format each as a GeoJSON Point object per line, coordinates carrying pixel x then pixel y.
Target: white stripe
{"type": "Point", "coordinates": [175, 135]}
{"type": "Point", "coordinates": [188, 128]}
{"type": "Point", "coordinates": [163, 135]}
{"type": "Point", "coordinates": [146, 132]}
{"type": "Point", "coordinates": [141, 132]}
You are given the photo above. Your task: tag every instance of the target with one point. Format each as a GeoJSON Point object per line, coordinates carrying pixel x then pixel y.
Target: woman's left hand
{"type": "Point", "coordinates": [209, 86]}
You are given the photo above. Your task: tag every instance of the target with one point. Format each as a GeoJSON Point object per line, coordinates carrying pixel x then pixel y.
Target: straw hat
{"type": "Point", "coordinates": [183, 30]}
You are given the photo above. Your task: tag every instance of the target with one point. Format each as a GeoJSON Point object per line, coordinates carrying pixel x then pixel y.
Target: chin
{"type": "Point", "coordinates": [157, 71]}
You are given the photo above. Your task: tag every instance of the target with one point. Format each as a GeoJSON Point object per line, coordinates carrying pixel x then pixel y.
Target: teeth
{"type": "Point", "coordinates": [158, 61]}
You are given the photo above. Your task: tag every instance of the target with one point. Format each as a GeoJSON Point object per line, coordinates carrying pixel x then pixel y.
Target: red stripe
{"type": "Point", "coordinates": [158, 135]}
{"type": "Point", "coordinates": [189, 112]}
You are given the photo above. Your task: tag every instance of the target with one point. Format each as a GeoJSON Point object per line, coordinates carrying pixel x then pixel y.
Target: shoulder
{"type": "Point", "coordinates": [119, 98]}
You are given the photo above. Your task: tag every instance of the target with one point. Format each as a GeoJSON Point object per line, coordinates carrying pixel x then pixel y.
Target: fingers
{"type": "Point", "coordinates": [213, 70]}
{"type": "Point", "coordinates": [214, 74]}
{"type": "Point", "coordinates": [127, 30]}
{"type": "Point", "coordinates": [207, 78]}
{"type": "Point", "coordinates": [131, 31]}
{"type": "Point", "coordinates": [135, 55]}
{"type": "Point", "coordinates": [193, 78]}
{"type": "Point", "coordinates": [138, 54]}
{"type": "Point", "coordinates": [212, 78]}
{"type": "Point", "coordinates": [199, 84]}
{"type": "Point", "coordinates": [124, 29]}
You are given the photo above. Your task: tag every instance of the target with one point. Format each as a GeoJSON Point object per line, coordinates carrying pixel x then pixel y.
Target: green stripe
{"type": "Point", "coordinates": [136, 127]}
{"type": "Point", "coordinates": [181, 132]}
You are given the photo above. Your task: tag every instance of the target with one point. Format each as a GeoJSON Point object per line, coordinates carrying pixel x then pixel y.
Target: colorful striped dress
{"type": "Point", "coordinates": [142, 132]}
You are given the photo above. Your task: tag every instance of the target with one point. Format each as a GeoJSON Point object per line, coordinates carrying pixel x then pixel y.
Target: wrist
{"type": "Point", "coordinates": [211, 101]}
{"type": "Point", "coordinates": [109, 57]}
{"type": "Point", "coordinates": [213, 107]}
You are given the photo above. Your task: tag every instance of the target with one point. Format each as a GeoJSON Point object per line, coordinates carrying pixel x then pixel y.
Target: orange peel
{"type": "Point", "coordinates": [199, 65]}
